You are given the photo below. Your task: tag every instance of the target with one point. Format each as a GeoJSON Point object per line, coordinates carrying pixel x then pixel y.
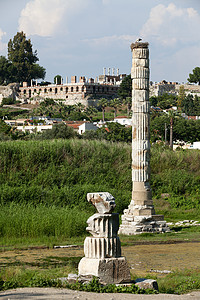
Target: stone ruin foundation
{"type": "Point", "coordinates": [103, 249]}
{"type": "Point", "coordinates": [140, 216]}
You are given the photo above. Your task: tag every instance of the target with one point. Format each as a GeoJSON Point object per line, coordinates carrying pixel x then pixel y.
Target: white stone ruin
{"type": "Point", "coordinates": [103, 249]}
{"type": "Point", "coordinates": [140, 216]}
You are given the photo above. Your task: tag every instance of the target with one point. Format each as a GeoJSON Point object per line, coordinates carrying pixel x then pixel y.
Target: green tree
{"type": "Point", "coordinates": [171, 116]}
{"type": "Point", "coordinates": [23, 59]}
{"type": "Point", "coordinates": [4, 128]}
{"type": "Point", "coordinates": [115, 103]}
{"type": "Point", "coordinates": [79, 107]}
{"type": "Point", "coordinates": [125, 89]}
{"type": "Point", "coordinates": [153, 101]}
{"type": "Point", "coordinates": [128, 102]}
{"type": "Point", "coordinates": [118, 133]}
{"type": "Point", "coordinates": [166, 101]}
{"type": "Point", "coordinates": [183, 129]}
{"type": "Point", "coordinates": [8, 101]}
{"type": "Point", "coordinates": [181, 96]}
{"type": "Point", "coordinates": [58, 79]}
{"type": "Point", "coordinates": [103, 103]}
{"type": "Point", "coordinates": [195, 76]}
{"type": "Point", "coordinates": [59, 131]}
{"type": "Point", "coordinates": [7, 71]}
{"type": "Point", "coordinates": [90, 112]}
{"type": "Point", "coordinates": [196, 102]}
{"type": "Point", "coordinates": [188, 105]}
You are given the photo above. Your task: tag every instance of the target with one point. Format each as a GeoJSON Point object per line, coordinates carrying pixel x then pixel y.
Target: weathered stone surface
{"type": "Point", "coordinates": [141, 84]}
{"type": "Point", "coordinates": [9, 91]}
{"type": "Point", "coordinates": [103, 250]}
{"type": "Point", "coordinates": [102, 247]}
{"type": "Point", "coordinates": [72, 278]}
{"type": "Point", "coordinates": [141, 63]}
{"type": "Point", "coordinates": [141, 72]}
{"type": "Point", "coordinates": [108, 270]}
{"type": "Point", "coordinates": [105, 225]}
{"type": "Point", "coordinates": [185, 223]}
{"type": "Point", "coordinates": [140, 215]}
{"type": "Point", "coordinates": [63, 279]}
{"type": "Point", "coordinates": [147, 284]}
{"type": "Point", "coordinates": [104, 202]}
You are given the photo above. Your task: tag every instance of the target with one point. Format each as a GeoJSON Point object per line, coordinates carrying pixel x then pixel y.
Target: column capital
{"type": "Point", "coordinates": [139, 45]}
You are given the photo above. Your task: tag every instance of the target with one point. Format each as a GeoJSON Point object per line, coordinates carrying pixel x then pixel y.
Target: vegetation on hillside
{"type": "Point", "coordinates": [21, 63]}
{"type": "Point", "coordinates": [61, 172]}
{"type": "Point", "coordinates": [183, 129]}
{"type": "Point", "coordinates": [43, 187]}
{"type": "Point", "coordinates": [194, 77]}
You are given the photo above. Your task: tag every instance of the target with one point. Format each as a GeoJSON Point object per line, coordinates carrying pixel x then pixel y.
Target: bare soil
{"type": "Point", "coordinates": [142, 259]}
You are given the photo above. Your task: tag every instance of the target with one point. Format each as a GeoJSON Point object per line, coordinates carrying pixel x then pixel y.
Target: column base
{"type": "Point", "coordinates": [132, 225]}
{"type": "Point", "coordinates": [108, 270]}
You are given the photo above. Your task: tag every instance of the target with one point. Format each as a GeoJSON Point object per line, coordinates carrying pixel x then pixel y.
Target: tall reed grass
{"type": "Point", "coordinates": [25, 220]}
{"type": "Point", "coordinates": [43, 184]}
{"type": "Point", "coordinates": [62, 172]}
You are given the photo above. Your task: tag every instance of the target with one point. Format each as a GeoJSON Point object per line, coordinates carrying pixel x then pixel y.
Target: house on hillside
{"type": "Point", "coordinates": [81, 126]}
{"type": "Point", "coordinates": [25, 125]}
{"type": "Point", "coordinates": [193, 117]}
{"type": "Point", "coordinates": [86, 127]}
{"type": "Point", "coordinates": [123, 120]}
{"type": "Point", "coordinates": [74, 124]}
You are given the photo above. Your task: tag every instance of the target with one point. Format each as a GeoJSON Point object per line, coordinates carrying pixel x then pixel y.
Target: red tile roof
{"type": "Point", "coordinates": [122, 117]}
{"type": "Point", "coordinates": [74, 124]}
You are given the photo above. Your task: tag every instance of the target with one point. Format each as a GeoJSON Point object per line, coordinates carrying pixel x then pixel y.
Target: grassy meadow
{"type": "Point", "coordinates": [43, 184]}
{"type": "Point", "coordinates": [43, 188]}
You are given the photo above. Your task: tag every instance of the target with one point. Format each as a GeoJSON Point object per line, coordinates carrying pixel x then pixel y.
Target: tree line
{"type": "Point", "coordinates": [21, 64]}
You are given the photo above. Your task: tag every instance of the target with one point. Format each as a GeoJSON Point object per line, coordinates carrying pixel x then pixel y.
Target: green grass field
{"type": "Point", "coordinates": [43, 188]}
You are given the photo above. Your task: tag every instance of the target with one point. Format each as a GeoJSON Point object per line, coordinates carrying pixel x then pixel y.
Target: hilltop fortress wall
{"type": "Point", "coordinates": [83, 91]}
{"type": "Point", "coordinates": [163, 87]}
{"type": "Point", "coordinates": [86, 91]}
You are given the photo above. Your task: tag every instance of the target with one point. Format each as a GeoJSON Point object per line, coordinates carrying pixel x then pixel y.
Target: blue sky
{"type": "Point", "coordinates": [80, 37]}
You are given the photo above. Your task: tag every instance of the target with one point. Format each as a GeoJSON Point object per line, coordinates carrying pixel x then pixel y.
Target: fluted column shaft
{"type": "Point", "coordinates": [141, 194]}
{"type": "Point", "coordinates": [140, 216]}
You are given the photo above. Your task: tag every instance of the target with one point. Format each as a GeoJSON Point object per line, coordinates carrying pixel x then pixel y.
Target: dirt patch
{"type": "Point", "coordinates": [41, 258]}
{"type": "Point", "coordinates": [145, 258]}
{"type": "Point", "coordinates": [141, 258]}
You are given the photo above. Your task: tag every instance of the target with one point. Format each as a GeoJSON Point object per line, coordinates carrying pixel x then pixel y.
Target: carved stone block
{"type": "Point", "coordinates": [104, 202]}
{"type": "Point", "coordinates": [108, 270]}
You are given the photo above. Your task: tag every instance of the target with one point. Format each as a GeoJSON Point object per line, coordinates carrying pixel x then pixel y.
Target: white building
{"type": "Point", "coordinates": [86, 127]}
{"type": "Point", "coordinates": [33, 128]}
{"type": "Point", "coordinates": [123, 120]}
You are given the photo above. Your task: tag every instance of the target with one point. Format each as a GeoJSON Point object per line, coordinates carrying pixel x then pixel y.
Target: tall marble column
{"type": "Point", "coordinates": [140, 215]}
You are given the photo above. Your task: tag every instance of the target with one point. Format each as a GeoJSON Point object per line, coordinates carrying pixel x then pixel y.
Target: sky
{"type": "Point", "coordinates": [81, 37]}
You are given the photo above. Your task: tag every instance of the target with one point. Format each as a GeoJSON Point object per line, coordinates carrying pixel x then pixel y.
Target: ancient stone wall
{"type": "Point", "coordinates": [72, 93]}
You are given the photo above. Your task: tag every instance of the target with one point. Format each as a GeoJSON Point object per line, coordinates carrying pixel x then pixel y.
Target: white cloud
{"type": "Point", "coordinates": [111, 39]}
{"type": "Point", "coordinates": [106, 2]}
{"type": "Point", "coordinates": [2, 45]}
{"type": "Point", "coordinates": [170, 25]}
{"type": "Point", "coordinates": [43, 17]}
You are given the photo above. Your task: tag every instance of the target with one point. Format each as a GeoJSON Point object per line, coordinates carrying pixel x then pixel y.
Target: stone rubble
{"type": "Point", "coordinates": [184, 223]}
{"type": "Point", "coordinates": [143, 283]}
{"type": "Point", "coordinates": [160, 271]}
